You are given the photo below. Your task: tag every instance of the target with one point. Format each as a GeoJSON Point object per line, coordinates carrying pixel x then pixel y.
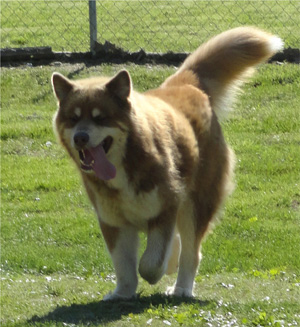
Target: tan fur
{"type": "Point", "coordinates": [173, 167]}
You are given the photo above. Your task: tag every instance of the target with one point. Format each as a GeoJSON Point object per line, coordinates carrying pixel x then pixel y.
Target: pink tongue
{"type": "Point", "coordinates": [102, 167]}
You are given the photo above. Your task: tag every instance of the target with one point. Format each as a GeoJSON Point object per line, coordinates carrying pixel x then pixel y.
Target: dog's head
{"type": "Point", "coordinates": [92, 120]}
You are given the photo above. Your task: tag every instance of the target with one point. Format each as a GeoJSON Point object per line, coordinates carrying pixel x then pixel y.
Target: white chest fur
{"type": "Point", "coordinates": [128, 207]}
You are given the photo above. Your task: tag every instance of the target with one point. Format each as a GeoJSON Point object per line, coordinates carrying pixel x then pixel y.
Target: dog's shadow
{"type": "Point", "coordinates": [105, 312]}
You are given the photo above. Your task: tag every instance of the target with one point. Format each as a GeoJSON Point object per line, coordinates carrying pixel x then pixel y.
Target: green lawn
{"type": "Point", "coordinates": [54, 265]}
{"type": "Point", "coordinates": [155, 26]}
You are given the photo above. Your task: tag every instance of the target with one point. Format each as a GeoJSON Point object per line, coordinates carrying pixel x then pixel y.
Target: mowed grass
{"type": "Point", "coordinates": [153, 25]}
{"type": "Point", "coordinates": [55, 268]}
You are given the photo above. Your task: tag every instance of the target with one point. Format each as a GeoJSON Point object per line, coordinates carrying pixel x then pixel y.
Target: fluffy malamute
{"type": "Point", "coordinates": [157, 162]}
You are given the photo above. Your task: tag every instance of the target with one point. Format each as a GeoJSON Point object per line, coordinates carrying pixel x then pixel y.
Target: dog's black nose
{"type": "Point", "coordinates": [81, 139]}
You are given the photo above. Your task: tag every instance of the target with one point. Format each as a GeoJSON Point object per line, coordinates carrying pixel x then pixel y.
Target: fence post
{"type": "Point", "coordinates": [93, 25]}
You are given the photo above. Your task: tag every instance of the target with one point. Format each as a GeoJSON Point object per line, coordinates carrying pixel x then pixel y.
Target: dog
{"type": "Point", "coordinates": [157, 162]}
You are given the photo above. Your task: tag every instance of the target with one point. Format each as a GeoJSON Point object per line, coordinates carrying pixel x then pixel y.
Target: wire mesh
{"type": "Point", "coordinates": [153, 25]}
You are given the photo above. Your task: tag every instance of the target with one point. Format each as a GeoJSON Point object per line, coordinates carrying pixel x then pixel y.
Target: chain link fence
{"type": "Point", "coordinates": [153, 25]}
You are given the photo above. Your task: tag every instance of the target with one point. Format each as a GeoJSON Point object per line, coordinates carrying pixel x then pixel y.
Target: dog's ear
{"type": "Point", "coordinates": [120, 85]}
{"type": "Point", "coordinates": [61, 86]}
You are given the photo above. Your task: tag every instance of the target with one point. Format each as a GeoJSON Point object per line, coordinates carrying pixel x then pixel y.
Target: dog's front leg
{"type": "Point", "coordinates": [154, 261]}
{"type": "Point", "coordinates": [122, 244]}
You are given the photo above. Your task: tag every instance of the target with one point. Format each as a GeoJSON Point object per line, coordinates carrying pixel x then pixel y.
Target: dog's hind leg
{"type": "Point", "coordinates": [122, 244]}
{"type": "Point", "coordinates": [174, 257]}
{"type": "Point", "coordinates": [190, 252]}
{"type": "Point", "coordinates": [192, 223]}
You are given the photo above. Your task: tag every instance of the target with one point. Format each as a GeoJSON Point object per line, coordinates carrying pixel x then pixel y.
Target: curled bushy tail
{"type": "Point", "coordinates": [220, 65]}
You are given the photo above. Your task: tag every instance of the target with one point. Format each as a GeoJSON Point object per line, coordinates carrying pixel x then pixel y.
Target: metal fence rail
{"type": "Point", "coordinates": [153, 25]}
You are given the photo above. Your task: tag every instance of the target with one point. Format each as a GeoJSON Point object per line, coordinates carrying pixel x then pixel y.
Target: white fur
{"type": "Point", "coordinates": [95, 112]}
{"type": "Point", "coordinates": [275, 44]}
{"type": "Point", "coordinates": [77, 111]}
{"type": "Point", "coordinates": [131, 208]}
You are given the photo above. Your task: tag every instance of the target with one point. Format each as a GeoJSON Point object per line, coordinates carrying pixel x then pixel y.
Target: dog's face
{"type": "Point", "coordinates": [92, 121]}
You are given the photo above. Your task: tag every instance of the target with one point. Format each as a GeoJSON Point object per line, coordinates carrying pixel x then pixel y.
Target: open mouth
{"type": "Point", "coordinates": [94, 159]}
{"type": "Point", "coordinates": [86, 155]}
{"type": "Point", "coordinates": [86, 160]}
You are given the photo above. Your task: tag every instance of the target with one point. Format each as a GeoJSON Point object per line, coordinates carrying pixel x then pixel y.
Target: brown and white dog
{"type": "Point", "coordinates": [157, 162]}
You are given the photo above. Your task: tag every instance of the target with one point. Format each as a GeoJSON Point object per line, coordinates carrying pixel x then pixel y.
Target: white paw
{"type": "Point", "coordinates": [115, 296]}
{"type": "Point", "coordinates": [179, 291]}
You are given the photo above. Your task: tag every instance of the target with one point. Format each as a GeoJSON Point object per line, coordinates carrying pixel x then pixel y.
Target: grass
{"type": "Point", "coordinates": [155, 26]}
{"type": "Point", "coordinates": [54, 265]}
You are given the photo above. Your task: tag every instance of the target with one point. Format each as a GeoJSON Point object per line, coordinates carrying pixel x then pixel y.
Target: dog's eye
{"type": "Point", "coordinates": [74, 119]}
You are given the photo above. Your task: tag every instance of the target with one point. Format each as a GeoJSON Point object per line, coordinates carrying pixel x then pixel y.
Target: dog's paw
{"type": "Point", "coordinates": [114, 296]}
{"type": "Point", "coordinates": [179, 291]}
{"type": "Point", "coordinates": [151, 270]}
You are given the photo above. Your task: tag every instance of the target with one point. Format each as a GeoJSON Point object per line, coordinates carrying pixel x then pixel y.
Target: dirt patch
{"type": "Point", "coordinates": [109, 53]}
